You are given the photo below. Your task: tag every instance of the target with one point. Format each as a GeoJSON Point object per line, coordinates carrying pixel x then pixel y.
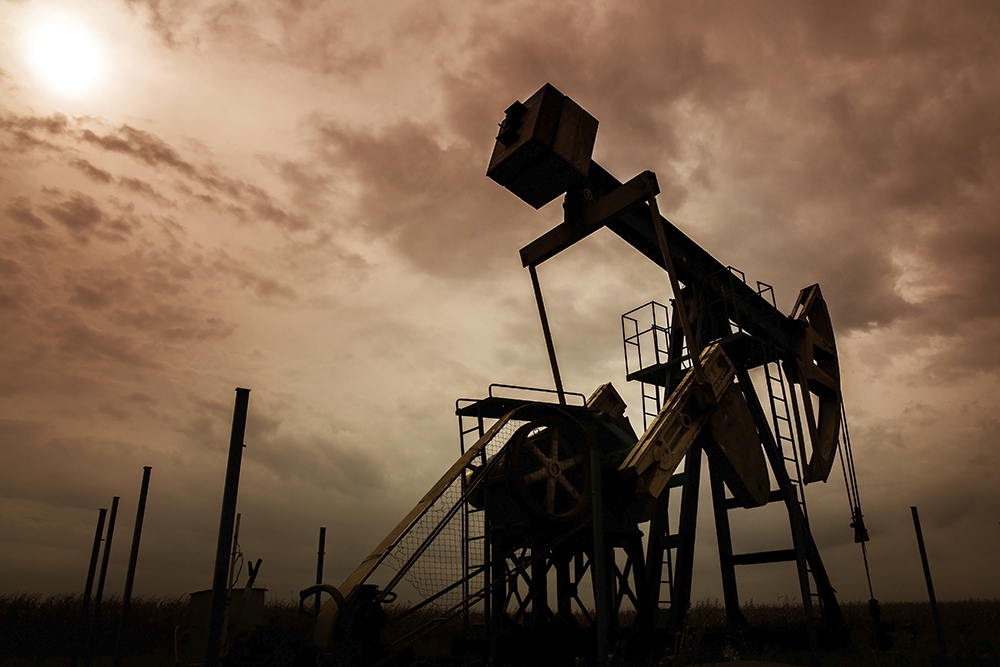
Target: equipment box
{"type": "Point", "coordinates": [544, 147]}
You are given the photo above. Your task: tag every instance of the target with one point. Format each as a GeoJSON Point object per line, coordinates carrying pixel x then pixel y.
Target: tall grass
{"type": "Point", "coordinates": [48, 631]}
{"type": "Point", "coordinates": [45, 632]}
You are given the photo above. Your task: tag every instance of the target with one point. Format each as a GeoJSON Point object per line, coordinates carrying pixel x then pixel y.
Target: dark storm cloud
{"type": "Point", "coordinates": [93, 297]}
{"type": "Point", "coordinates": [117, 292]}
{"type": "Point", "coordinates": [263, 286]}
{"type": "Point", "coordinates": [81, 342]}
{"type": "Point", "coordinates": [85, 219]}
{"type": "Point", "coordinates": [54, 124]}
{"type": "Point", "coordinates": [94, 173]}
{"type": "Point", "coordinates": [159, 21]}
{"type": "Point", "coordinates": [426, 199]}
{"type": "Point", "coordinates": [140, 145]}
{"type": "Point", "coordinates": [150, 296]}
{"type": "Point", "coordinates": [912, 133]}
{"type": "Point", "coordinates": [426, 192]}
{"type": "Point", "coordinates": [19, 210]}
{"type": "Point", "coordinates": [284, 452]}
{"type": "Point", "coordinates": [30, 448]}
{"type": "Point", "coordinates": [245, 201]}
{"type": "Point", "coordinates": [852, 140]}
{"type": "Point", "coordinates": [174, 323]}
{"type": "Point", "coordinates": [79, 214]}
{"type": "Point", "coordinates": [320, 462]}
{"type": "Point", "coordinates": [27, 133]}
{"type": "Point", "coordinates": [143, 188]}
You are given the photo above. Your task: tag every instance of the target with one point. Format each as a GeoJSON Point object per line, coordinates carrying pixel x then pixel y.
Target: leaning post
{"type": "Point", "coordinates": [930, 584]}
{"type": "Point", "coordinates": [219, 581]}
{"type": "Point", "coordinates": [319, 562]}
{"type": "Point", "coordinates": [130, 575]}
{"type": "Point", "coordinates": [91, 571]}
{"type": "Point", "coordinates": [95, 619]}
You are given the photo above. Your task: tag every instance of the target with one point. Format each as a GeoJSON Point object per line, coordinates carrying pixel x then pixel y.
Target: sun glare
{"type": "Point", "coordinates": [66, 56]}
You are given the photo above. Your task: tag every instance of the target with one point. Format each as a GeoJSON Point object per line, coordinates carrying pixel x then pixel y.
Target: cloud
{"type": "Point", "coordinates": [426, 199]}
{"type": "Point", "coordinates": [85, 219]}
{"type": "Point", "coordinates": [367, 272]}
{"type": "Point", "coordinates": [265, 287]}
{"type": "Point", "coordinates": [81, 342]}
{"type": "Point", "coordinates": [210, 184]}
{"type": "Point", "coordinates": [141, 146]}
{"type": "Point", "coordinates": [54, 124]}
{"type": "Point", "coordinates": [248, 202]}
{"type": "Point", "coordinates": [306, 35]}
{"type": "Point", "coordinates": [19, 210]}
{"type": "Point", "coordinates": [94, 173]}
{"type": "Point", "coordinates": [143, 188]}
{"type": "Point", "coordinates": [79, 214]}
{"type": "Point", "coordinates": [166, 18]}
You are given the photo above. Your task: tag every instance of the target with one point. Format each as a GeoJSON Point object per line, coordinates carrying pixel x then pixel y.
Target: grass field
{"type": "Point", "coordinates": [45, 632]}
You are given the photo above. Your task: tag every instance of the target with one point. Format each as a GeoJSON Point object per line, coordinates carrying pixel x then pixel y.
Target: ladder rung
{"type": "Point", "coordinates": [677, 480]}
{"type": "Point", "coordinates": [760, 557]}
{"type": "Point", "coordinates": [775, 496]}
{"type": "Point", "coordinates": [671, 542]}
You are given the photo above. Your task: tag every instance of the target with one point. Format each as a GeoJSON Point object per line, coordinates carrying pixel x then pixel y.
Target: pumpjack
{"type": "Point", "coordinates": [555, 520]}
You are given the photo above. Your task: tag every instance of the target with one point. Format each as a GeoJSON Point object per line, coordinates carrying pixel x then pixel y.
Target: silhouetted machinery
{"type": "Point", "coordinates": [556, 519]}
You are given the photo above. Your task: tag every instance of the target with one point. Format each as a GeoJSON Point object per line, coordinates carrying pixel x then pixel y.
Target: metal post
{"type": "Point", "coordinates": [130, 575]}
{"type": "Point", "coordinates": [687, 529]}
{"type": "Point", "coordinates": [85, 615]}
{"type": "Point", "coordinates": [539, 589]}
{"type": "Point", "coordinates": [219, 590]}
{"type": "Point", "coordinates": [668, 264]}
{"type": "Point", "coordinates": [233, 556]}
{"type": "Point", "coordinates": [96, 618]}
{"type": "Point", "coordinates": [547, 333]}
{"type": "Point", "coordinates": [599, 566]}
{"type": "Point", "coordinates": [930, 585]}
{"type": "Point", "coordinates": [730, 591]}
{"type": "Point", "coordinates": [319, 562]}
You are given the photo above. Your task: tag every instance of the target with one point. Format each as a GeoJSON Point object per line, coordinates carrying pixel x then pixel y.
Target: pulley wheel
{"type": "Point", "coordinates": [550, 465]}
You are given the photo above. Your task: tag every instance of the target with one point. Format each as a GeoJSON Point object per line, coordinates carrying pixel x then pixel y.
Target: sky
{"type": "Point", "coordinates": [291, 197]}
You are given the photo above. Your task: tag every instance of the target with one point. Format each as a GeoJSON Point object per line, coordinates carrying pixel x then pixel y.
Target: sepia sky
{"type": "Point", "coordinates": [291, 196]}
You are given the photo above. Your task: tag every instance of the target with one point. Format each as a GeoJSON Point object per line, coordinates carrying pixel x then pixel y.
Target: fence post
{"type": "Point", "coordinates": [96, 618]}
{"type": "Point", "coordinates": [930, 585]}
{"type": "Point", "coordinates": [219, 581]}
{"type": "Point", "coordinates": [130, 576]}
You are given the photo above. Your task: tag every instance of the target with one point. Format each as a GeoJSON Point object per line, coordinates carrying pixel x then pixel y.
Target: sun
{"type": "Point", "coordinates": [66, 56]}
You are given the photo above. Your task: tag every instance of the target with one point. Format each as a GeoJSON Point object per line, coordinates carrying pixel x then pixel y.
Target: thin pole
{"type": "Point", "coordinates": [930, 584]}
{"type": "Point", "coordinates": [130, 575]}
{"type": "Point", "coordinates": [599, 560]}
{"type": "Point", "coordinates": [319, 562]}
{"type": "Point", "coordinates": [219, 590]}
{"type": "Point", "coordinates": [232, 561]}
{"type": "Point", "coordinates": [548, 334]}
{"type": "Point", "coordinates": [668, 264]}
{"type": "Point", "coordinates": [85, 616]}
{"type": "Point", "coordinates": [96, 619]}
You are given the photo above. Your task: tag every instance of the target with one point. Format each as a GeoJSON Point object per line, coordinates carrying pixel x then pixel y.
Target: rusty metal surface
{"type": "Point", "coordinates": [817, 374]}
{"type": "Point", "coordinates": [543, 147]}
{"type": "Point", "coordinates": [735, 450]}
{"type": "Point", "coordinates": [664, 444]}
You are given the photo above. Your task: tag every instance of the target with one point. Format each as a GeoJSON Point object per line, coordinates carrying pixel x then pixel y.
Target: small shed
{"type": "Point", "coordinates": [244, 612]}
